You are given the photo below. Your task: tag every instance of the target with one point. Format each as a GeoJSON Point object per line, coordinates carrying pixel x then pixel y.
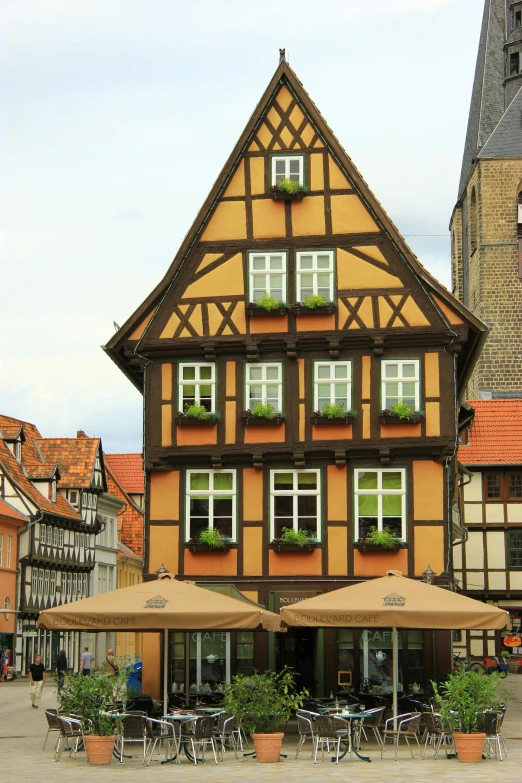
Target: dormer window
{"type": "Point", "coordinates": [53, 491]}
{"type": "Point", "coordinates": [73, 497]}
{"type": "Point", "coordinates": [18, 451]}
{"type": "Point", "coordinates": [290, 167]}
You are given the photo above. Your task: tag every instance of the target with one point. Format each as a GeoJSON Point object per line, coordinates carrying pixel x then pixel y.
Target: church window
{"type": "Point", "coordinates": [267, 276]}
{"type": "Point", "coordinates": [514, 63]}
{"type": "Point", "coordinates": [473, 220]}
{"type": "Point", "coordinates": [197, 386]}
{"type": "Point", "coordinates": [290, 167]}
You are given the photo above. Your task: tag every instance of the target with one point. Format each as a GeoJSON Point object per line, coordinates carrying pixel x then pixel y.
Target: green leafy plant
{"type": "Point", "coordinates": [262, 702]}
{"type": "Point", "coordinates": [402, 410]}
{"type": "Point", "coordinates": [264, 410]}
{"type": "Point", "coordinates": [505, 654]}
{"type": "Point", "coordinates": [196, 411]}
{"type": "Point", "coordinates": [313, 301]}
{"type": "Point", "coordinates": [268, 303]}
{"type": "Point", "coordinates": [88, 696]}
{"type": "Point", "coordinates": [292, 536]}
{"type": "Point", "coordinates": [384, 538]}
{"type": "Point", "coordinates": [213, 538]}
{"type": "Point", "coordinates": [464, 696]}
{"type": "Point", "coordinates": [333, 411]}
{"type": "Point", "coordinates": [289, 186]}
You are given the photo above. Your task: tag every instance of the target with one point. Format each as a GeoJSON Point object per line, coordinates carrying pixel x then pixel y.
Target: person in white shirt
{"type": "Point", "coordinates": [85, 661]}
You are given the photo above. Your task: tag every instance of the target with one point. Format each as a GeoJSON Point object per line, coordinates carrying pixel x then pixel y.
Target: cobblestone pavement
{"type": "Point", "coordinates": [22, 734]}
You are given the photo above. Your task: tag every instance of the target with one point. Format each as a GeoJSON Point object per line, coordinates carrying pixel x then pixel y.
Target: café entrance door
{"type": "Point", "coordinates": [297, 648]}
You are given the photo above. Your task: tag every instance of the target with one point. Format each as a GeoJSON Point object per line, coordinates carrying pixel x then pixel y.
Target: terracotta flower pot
{"type": "Point", "coordinates": [99, 749]}
{"type": "Point", "coordinates": [268, 746]}
{"type": "Point", "coordinates": [469, 747]}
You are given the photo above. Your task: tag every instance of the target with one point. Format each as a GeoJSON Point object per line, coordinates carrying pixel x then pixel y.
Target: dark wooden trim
{"type": "Point", "coordinates": [318, 418]}
{"type": "Point", "coordinates": [190, 421]}
{"type": "Point", "coordinates": [301, 309]}
{"type": "Point", "coordinates": [250, 420]}
{"type": "Point", "coordinates": [386, 418]}
{"type": "Point", "coordinates": [281, 195]}
{"type": "Point", "coordinates": [283, 546]}
{"type": "Point", "coordinates": [198, 546]}
{"type": "Point", "coordinates": [254, 311]}
{"type": "Point", "coordinates": [364, 547]}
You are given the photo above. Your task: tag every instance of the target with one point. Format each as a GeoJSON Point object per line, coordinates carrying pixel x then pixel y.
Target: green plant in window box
{"type": "Point", "coordinates": [196, 411]}
{"type": "Point", "coordinates": [213, 538]}
{"type": "Point", "coordinates": [333, 411]}
{"type": "Point", "coordinates": [264, 410]}
{"type": "Point", "coordinates": [385, 538]}
{"type": "Point", "coordinates": [291, 536]}
{"type": "Point", "coordinates": [289, 186]}
{"type": "Point", "coordinates": [315, 300]}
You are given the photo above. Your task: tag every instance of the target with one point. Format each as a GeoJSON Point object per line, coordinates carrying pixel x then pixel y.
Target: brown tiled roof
{"type": "Point", "coordinates": [7, 510]}
{"type": "Point", "coordinates": [125, 551]}
{"type": "Point", "coordinates": [31, 454]}
{"type": "Point", "coordinates": [42, 471]}
{"type": "Point", "coordinates": [130, 518]}
{"type": "Point", "coordinates": [128, 471]}
{"type": "Point", "coordinates": [75, 457]}
{"type": "Point", "coordinates": [10, 432]}
{"type": "Point", "coordinates": [495, 437]}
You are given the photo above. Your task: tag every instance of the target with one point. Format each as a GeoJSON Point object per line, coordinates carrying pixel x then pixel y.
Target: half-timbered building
{"type": "Point", "coordinates": [294, 298]}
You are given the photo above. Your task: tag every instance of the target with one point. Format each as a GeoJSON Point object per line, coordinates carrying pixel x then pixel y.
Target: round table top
{"type": "Point", "coordinates": [178, 717]}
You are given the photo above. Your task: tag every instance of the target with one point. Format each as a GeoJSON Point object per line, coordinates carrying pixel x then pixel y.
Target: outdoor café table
{"type": "Point", "coordinates": [209, 710]}
{"type": "Point", "coordinates": [351, 718]}
{"type": "Point", "coordinates": [177, 720]}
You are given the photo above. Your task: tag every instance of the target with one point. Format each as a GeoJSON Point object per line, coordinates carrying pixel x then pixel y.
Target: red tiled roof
{"type": "Point", "coordinates": [125, 551]}
{"type": "Point", "coordinates": [130, 518]}
{"type": "Point", "coordinates": [127, 469]}
{"type": "Point", "coordinates": [74, 456]}
{"type": "Point", "coordinates": [495, 437]}
{"type": "Point", "coordinates": [9, 432]}
{"type": "Point", "coordinates": [31, 454]}
{"type": "Point", "coordinates": [6, 510]}
{"type": "Point", "coordinates": [36, 472]}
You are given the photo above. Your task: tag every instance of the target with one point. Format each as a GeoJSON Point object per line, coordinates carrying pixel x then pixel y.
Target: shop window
{"type": "Point", "coordinates": [211, 502]}
{"type": "Point", "coordinates": [515, 549]}
{"type": "Point", "coordinates": [267, 276]}
{"type": "Point", "coordinates": [400, 380]}
{"type": "Point", "coordinates": [295, 502]}
{"type": "Point", "coordinates": [245, 652]}
{"type": "Point", "coordinates": [376, 661]}
{"type": "Point", "coordinates": [380, 501]}
{"type": "Point", "coordinates": [209, 664]}
{"type": "Point", "coordinates": [345, 659]}
{"type": "Point", "coordinates": [415, 658]}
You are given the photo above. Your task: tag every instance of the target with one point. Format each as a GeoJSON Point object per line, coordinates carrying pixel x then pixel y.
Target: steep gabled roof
{"type": "Point", "coordinates": [127, 469]}
{"type": "Point", "coordinates": [125, 551]}
{"type": "Point", "coordinates": [495, 437]}
{"type": "Point", "coordinates": [131, 517]}
{"type": "Point", "coordinates": [7, 510]}
{"type": "Point", "coordinates": [506, 139]}
{"type": "Point", "coordinates": [42, 472]}
{"type": "Point", "coordinates": [75, 456]}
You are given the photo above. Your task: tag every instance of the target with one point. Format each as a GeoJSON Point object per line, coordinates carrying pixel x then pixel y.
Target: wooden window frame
{"type": "Point", "coordinates": [49, 539]}
{"type": "Point", "coordinates": [34, 581]}
{"type": "Point", "coordinates": [211, 493]}
{"type": "Point", "coordinates": [60, 538]}
{"type": "Point", "coordinates": [314, 271]}
{"type": "Point", "coordinates": [287, 159]}
{"type": "Point", "coordinates": [264, 382]}
{"type": "Point", "coordinates": [52, 584]}
{"type": "Point", "coordinates": [268, 273]}
{"type": "Point", "coordinates": [8, 551]}
{"type": "Point", "coordinates": [505, 476]}
{"type": "Point", "coordinates": [510, 548]}
{"type": "Point", "coordinates": [380, 492]}
{"type": "Point", "coordinates": [197, 382]}
{"type": "Point", "coordinates": [400, 379]}
{"type": "Point", "coordinates": [295, 493]}
{"type": "Point", "coordinates": [333, 382]}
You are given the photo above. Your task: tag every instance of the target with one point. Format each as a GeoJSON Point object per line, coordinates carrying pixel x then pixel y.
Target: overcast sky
{"type": "Point", "coordinates": [118, 116]}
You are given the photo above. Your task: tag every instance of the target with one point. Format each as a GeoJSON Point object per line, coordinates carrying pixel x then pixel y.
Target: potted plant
{"type": "Point", "coordinates": [378, 541]}
{"type": "Point", "coordinates": [315, 304]}
{"type": "Point", "coordinates": [266, 305]}
{"type": "Point", "coordinates": [332, 413]}
{"type": "Point", "coordinates": [87, 697]}
{"type": "Point", "coordinates": [400, 413]}
{"type": "Point", "coordinates": [288, 190]}
{"type": "Point", "coordinates": [195, 415]}
{"type": "Point", "coordinates": [464, 696]}
{"type": "Point", "coordinates": [261, 703]}
{"type": "Point", "coordinates": [263, 413]}
{"type": "Point", "coordinates": [294, 541]}
{"type": "Point", "coordinates": [209, 540]}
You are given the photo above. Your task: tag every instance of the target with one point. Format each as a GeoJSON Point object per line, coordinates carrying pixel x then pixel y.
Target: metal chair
{"type": "Point", "coordinates": [226, 730]}
{"type": "Point", "coordinates": [407, 727]}
{"type": "Point", "coordinates": [53, 724]}
{"type": "Point", "coordinates": [158, 732]}
{"type": "Point", "coordinates": [373, 719]}
{"type": "Point", "coordinates": [492, 725]}
{"type": "Point", "coordinates": [305, 728]}
{"type": "Point", "coordinates": [201, 735]}
{"type": "Point", "coordinates": [329, 731]}
{"type": "Point", "coordinates": [71, 729]}
{"type": "Point", "coordinates": [435, 733]}
{"type": "Point", "coordinates": [133, 729]}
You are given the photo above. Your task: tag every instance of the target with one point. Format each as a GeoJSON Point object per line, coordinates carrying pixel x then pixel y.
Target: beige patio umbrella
{"type": "Point", "coordinates": [160, 605]}
{"type": "Point", "coordinates": [394, 601]}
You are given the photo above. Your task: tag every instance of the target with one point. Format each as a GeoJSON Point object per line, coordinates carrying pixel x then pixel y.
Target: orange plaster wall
{"type": "Point", "coordinates": [366, 422]}
{"type": "Point", "coordinates": [257, 176]}
{"type": "Point", "coordinates": [151, 656]}
{"type": "Point", "coordinates": [164, 495]}
{"type": "Point", "coordinates": [237, 183]}
{"type": "Point", "coordinates": [316, 171]}
{"type": "Point", "coordinates": [431, 374]}
{"type": "Point", "coordinates": [429, 549]}
{"type": "Point", "coordinates": [413, 314]}
{"type": "Point", "coordinates": [268, 218]}
{"type": "Point", "coordinates": [138, 332]}
{"type": "Point", "coordinates": [338, 551]}
{"type": "Point", "coordinates": [224, 280]}
{"type": "Point", "coordinates": [230, 383]}
{"type": "Point", "coordinates": [428, 490]}
{"type": "Point", "coordinates": [294, 564]}
{"type": "Point", "coordinates": [8, 577]}
{"type": "Point", "coordinates": [366, 377]}
{"type": "Point", "coordinates": [253, 551]}
{"type": "Point", "coordinates": [166, 381]}
{"type": "Point", "coordinates": [400, 430]}
{"type": "Point", "coordinates": [268, 324]}
{"type": "Point", "coordinates": [230, 422]}
{"type": "Point", "coordinates": [349, 216]}
{"type": "Point", "coordinates": [166, 425]}
{"type": "Point", "coordinates": [301, 371]}
{"type": "Point", "coordinates": [452, 317]}
{"type": "Point", "coordinates": [432, 419]}
{"type": "Point", "coordinates": [211, 564]}
{"type": "Point", "coordinates": [227, 222]}
{"type": "Point", "coordinates": [331, 432]}
{"type": "Point", "coordinates": [252, 494]}
{"type": "Point", "coordinates": [267, 434]}
{"type": "Point", "coordinates": [315, 323]}
{"type": "Point", "coordinates": [197, 436]}
{"type": "Point", "coordinates": [302, 420]}
{"type": "Point", "coordinates": [336, 493]}
{"type": "Point", "coordinates": [308, 216]}
{"type": "Point", "coordinates": [377, 563]}
{"type": "Point", "coordinates": [164, 548]}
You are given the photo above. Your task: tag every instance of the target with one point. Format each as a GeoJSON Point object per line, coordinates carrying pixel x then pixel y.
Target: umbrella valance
{"type": "Point", "coordinates": [164, 603]}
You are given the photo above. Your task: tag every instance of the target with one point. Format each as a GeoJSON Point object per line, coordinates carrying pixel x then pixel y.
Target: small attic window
{"type": "Point", "coordinates": [73, 497]}
{"type": "Point", "coordinates": [518, 19]}
{"type": "Point", "coordinates": [53, 491]}
{"type": "Point", "coordinates": [18, 451]}
{"type": "Point", "coordinates": [514, 63]}
{"type": "Point", "coordinates": [291, 167]}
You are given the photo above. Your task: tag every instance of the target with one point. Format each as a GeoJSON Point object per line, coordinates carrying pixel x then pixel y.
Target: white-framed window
{"type": "Point", "coordinates": [400, 380]}
{"type": "Point", "coordinates": [60, 538]}
{"type": "Point", "coordinates": [7, 604]}
{"type": "Point", "coordinates": [332, 385]}
{"type": "Point", "coordinates": [53, 491]}
{"type": "Point", "coordinates": [8, 551]}
{"type": "Point", "coordinates": [75, 586]}
{"type": "Point", "coordinates": [1, 549]}
{"type": "Point", "coordinates": [102, 579]}
{"type": "Point", "coordinates": [110, 582]}
{"type": "Point", "coordinates": [55, 536]}
{"type": "Point", "coordinates": [69, 584]}
{"type": "Point", "coordinates": [290, 167]}
{"type": "Point", "coordinates": [267, 275]}
{"type": "Point", "coordinates": [43, 534]}
{"type": "Point", "coordinates": [18, 451]}
{"type": "Point", "coordinates": [73, 497]}
{"type": "Point", "coordinates": [52, 584]}
{"type": "Point", "coordinates": [76, 540]}
{"type": "Point", "coordinates": [34, 581]}
{"type": "Point", "coordinates": [85, 585]}
{"type": "Point", "coordinates": [264, 383]}
{"type": "Point", "coordinates": [49, 535]}
{"type": "Point", "coordinates": [295, 501]}
{"type": "Point", "coordinates": [40, 581]}
{"type": "Point", "coordinates": [47, 575]}
{"type": "Point", "coordinates": [380, 500]}
{"type": "Point", "coordinates": [211, 502]}
{"type": "Point", "coordinates": [197, 385]}
{"type": "Point", "coordinates": [315, 274]}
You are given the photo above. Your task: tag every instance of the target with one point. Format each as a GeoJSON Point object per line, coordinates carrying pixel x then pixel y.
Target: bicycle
{"type": "Point", "coordinates": [473, 666]}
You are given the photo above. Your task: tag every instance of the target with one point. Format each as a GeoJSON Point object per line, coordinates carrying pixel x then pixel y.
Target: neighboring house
{"type": "Point", "coordinates": [11, 520]}
{"type": "Point", "coordinates": [55, 483]}
{"type": "Point", "coordinates": [130, 572]}
{"type": "Point", "coordinates": [356, 323]}
{"type": "Point", "coordinates": [489, 564]}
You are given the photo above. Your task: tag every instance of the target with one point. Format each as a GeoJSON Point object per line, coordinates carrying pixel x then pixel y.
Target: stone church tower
{"type": "Point", "coordinates": [486, 225]}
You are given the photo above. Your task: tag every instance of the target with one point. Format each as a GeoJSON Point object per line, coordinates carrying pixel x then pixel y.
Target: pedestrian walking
{"type": "Point", "coordinates": [4, 663]}
{"type": "Point", "coordinates": [37, 680]}
{"type": "Point", "coordinates": [110, 666]}
{"type": "Point", "coordinates": [85, 661]}
{"type": "Point", "coordinates": [61, 668]}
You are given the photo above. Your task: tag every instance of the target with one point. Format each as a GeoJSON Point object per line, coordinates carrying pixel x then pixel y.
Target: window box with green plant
{"type": "Point", "coordinates": [195, 415]}
{"type": "Point", "coordinates": [264, 414]}
{"type": "Point", "coordinates": [293, 540]}
{"type": "Point", "coordinates": [209, 540]}
{"type": "Point", "coordinates": [400, 413]}
{"type": "Point", "coordinates": [288, 190]}
{"type": "Point", "coordinates": [315, 304]}
{"type": "Point", "coordinates": [266, 306]}
{"type": "Point", "coordinates": [332, 413]}
{"type": "Point", "coordinates": [378, 541]}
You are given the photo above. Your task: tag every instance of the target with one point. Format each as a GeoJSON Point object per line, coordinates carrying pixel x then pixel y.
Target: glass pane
{"type": "Point", "coordinates": [295, 166]}
{"type": "Point", "coordinates": [199, 506]}
{"type": "Point", "coordinates": [224, 525]}
{"type": "Point", "coordinates": [324, 390]}
{"type": "Point", "coordinates": [272, 373]}
{"type": "Point", "coordinates": [199, 481]}
{"type": "Point", "coordinates": [255, 373]}
{"type": "Point", "coordinates": [323, 371]}
{"type": "Point", "coordinates": [306, 262]}
{"type": "Point", "coordinates": [368, 505]}
{"type": "Point", "coordinates": [280, 166]}
{"type": "Point", "coordinates": [307, 481]}
{"type": "Point", "coordinates": [365, 525]}
{"type": "Point", "coordinates": [408, 390]}
{"type": "Point", "coordinates": [341, 371]}
{"type": "Point", "coordinates": [309, 524]}
{"type": "Point", "coordinates": [258, 262]}
{"type": "Point", "coordinates": [340, 390]}
{"type": "Point", "coordinates": [367, 480]}
{"type": "Point", "coordinates": [245, 651]}
{"type": "Point", "coordinates": [205, 373]}
{"type": "Point", "coordinates": [391, 371]}
{"type": "Point", "coordinates": [408, 371]}
{"type": "Point", "coordinates": [276, 281]}
{"type": "Point", "coordinates": [189, 373]}
{"type": "Point", "coordinates": [283, 481]}
{"type": "Point", "coordinates": [280, 523]}
{"type": "Point", "coordinates": [223, 481]}
{"type": "Point", "coordinates": [272, 393]}
{"type": "Point", "coordinates": [294, 177]}
{"type": "Point", "coordinates": [307, 281]}
{"type": "Point", "coordinates": [323, 281]}
{"type": "Point", "coordinates": [245, 636]}
{"type": "Point", "coordinates": [392, 480]}
{"type": "Point", "coordinates": [392, 505]}
{"type": "Point", "coordinates": [283, 506]}
{"type": "Point", "coordinates": [205, 390]}
{"type": "Point", "coordinates": [394, 524]}
{"type": "Point", "coordinates": [323, 262]}
{"type": "Point", "coordinates": [276, 262]}
{"type": "Point", "coordinates": [260, 282]}
{"type": "Point", "coordinates": [307, 506]}
{"type": "Point", "coordinates": [256, 392]}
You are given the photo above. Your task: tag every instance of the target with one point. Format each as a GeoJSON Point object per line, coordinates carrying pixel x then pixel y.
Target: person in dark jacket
{"type": "Point", "coordinates": [61, 668]}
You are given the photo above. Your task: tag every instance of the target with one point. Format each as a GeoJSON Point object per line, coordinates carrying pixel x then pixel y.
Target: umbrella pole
{"type": "Point", "coordinates": [165, 670]}
{"type": "Point", "coordinates": [395, 661]}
